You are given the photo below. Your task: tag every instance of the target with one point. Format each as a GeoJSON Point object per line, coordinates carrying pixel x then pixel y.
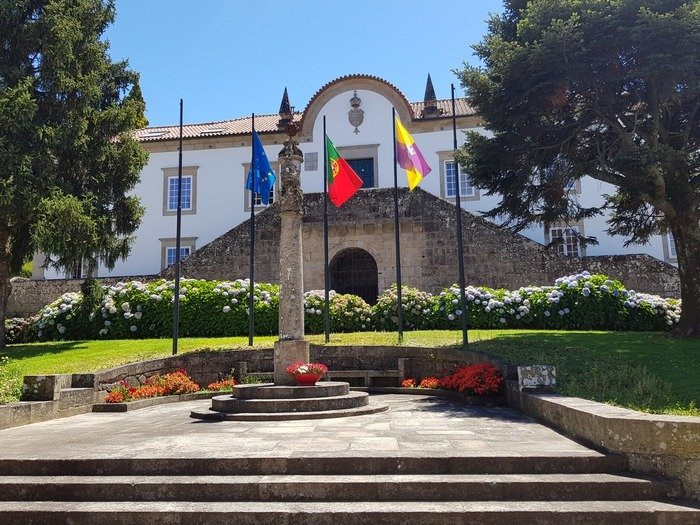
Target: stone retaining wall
{"type": "Point", "coordinates": [662, 445]}
{"type": "Point", "coordinates": [207, 366]}
{"type": "Point", "coordinates": [28, 296]}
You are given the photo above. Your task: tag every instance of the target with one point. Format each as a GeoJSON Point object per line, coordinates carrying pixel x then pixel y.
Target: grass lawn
{"type": "Point", "coordinates": [644, 371]}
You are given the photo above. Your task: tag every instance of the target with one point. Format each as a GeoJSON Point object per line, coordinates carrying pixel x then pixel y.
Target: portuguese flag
{"type": "Point", "coordinates": [343, 182]}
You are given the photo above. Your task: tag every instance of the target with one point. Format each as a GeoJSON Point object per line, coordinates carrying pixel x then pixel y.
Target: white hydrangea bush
{"type": "Point", "coordinates": [220, 308]}
{"type": "Point", "coordinates": [418, 309]}
{"type": "Point", "coordinates": [578, 301]}
{"type": "Point", "coordinates": [348, 313]}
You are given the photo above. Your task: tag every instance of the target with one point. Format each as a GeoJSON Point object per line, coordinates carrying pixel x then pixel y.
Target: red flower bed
{"type": "Point", "coordinates": [481, 379]}
{"type": "Point", "coordinates": [409, 383]}
{"type": "Point", "coordinates": [177, 382]}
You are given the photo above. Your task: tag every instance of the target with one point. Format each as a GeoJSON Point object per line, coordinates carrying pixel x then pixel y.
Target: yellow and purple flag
{"type": "Point", "coordinates": [409, 156]}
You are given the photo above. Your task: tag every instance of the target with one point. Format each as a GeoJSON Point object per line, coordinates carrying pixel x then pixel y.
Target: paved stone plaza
{"type": "Point", "coordinates": [425, 461]}
{"type": "Point", "coordinates": [413, 425]}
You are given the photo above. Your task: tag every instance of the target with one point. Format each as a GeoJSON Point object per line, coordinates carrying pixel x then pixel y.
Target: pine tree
{"type": "Point", "coordinates": [67, 160]}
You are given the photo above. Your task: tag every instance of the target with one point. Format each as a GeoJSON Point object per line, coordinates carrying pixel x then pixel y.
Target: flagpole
{"type": "Point", "coordinates": [460, 247]}
{"type": "Point", "coordinates": [326, 277]}
{"type": "Point", "coordinates": [251, 287]}
{"type": "Point", "coordinates": [176, 292]}
{"type": "Point", "coordinates": [399, 304]}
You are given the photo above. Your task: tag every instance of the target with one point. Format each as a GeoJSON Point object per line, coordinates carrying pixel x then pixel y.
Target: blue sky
{"type": "Point", "coordinates": [230, 58]}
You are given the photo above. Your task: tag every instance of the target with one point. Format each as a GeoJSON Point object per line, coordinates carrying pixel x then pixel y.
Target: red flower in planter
{"type": "Point", "coordinates": [306, 368]}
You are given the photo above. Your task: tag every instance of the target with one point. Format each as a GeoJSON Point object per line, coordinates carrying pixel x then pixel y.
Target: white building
{"type": "Point", "coordinates": [358, 111]}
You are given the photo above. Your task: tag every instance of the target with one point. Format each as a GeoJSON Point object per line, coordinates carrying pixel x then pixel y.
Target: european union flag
{"type": "Point", "coordinates": [261, 178]}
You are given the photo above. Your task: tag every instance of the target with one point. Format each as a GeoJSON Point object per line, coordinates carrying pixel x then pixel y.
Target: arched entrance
{"type": "Point", "coordinates": [354, 271]}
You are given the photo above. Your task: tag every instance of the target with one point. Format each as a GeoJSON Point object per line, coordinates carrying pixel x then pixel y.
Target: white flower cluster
{"type": "Point", "coordinates": [63, 305]}
{"type": "Point", "coordinates": [109, 305]}
{"type": "Point", "coordinates": [659, 305]}
{"type": "Point", "coordinates": [237, 292]}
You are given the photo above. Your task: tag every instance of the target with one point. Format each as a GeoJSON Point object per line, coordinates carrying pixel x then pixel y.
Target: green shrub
{"type": "Point", "coordinates": [348, 313]}
{"type": "Point", "coordinates": [20, 329]}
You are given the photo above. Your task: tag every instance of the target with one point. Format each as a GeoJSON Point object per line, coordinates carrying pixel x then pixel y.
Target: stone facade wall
{"type": "Point", "coordinates": [493, 256]}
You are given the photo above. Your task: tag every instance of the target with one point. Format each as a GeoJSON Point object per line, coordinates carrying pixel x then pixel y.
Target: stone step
{"type": "Point", "coordinates": [74, 397]}
{"type": "Point", "coordinates": [211, 415]}
{"type": "Point", "coordinates": [230, 404]}
{"type": "Point", "coordinates": [412, 487]}
{"type": "Point", "coordinates": [333, 463]}
{"type": "Point", "coordinates": [348, 513]}
{"type": "Point", "coordinates": [270, 391]}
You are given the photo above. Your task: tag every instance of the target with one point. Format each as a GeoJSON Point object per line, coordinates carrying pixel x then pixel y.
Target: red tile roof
{"type": "Point", "coordinates": [269, 123]}
{"type": "Point", "coordinates": [239, 126]}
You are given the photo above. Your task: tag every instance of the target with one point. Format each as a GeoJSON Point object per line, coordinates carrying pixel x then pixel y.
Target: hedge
{"type": "Point", "coordinates": [220, 308]}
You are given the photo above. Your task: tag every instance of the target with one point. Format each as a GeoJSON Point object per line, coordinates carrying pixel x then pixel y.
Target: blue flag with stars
{"type": "Point", "coordinates": [261, 178]}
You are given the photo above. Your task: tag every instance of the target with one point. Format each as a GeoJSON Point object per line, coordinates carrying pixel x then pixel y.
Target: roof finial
{"type": "Point", "coordinates": [285, 110]}
{"type": "Point", "coordinates": [429, 100]}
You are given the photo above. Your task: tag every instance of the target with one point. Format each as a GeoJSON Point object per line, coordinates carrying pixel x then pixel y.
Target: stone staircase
{"type": "Point", "coordinates": [339, 490]}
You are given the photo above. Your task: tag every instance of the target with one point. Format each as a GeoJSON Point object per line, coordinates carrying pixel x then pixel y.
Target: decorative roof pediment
{"type": "Point", "coordinates": [350, 83]}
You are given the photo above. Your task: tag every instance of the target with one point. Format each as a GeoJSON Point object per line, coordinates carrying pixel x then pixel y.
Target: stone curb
{"type": "Point", "coordinates": [438, 392]}
{"type": "Point", "coordinates": [153, 401]}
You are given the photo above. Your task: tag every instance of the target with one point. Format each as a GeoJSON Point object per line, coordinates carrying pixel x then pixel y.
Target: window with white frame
{"type": "Point", "coordinates": [465, 187]}
{"type": "Point", "coordinates": [186, 193]}
{"type": "Point", "coordinates": [258, 200]}
{"type": "Point", "coordinates": [168, 250]}
{"type": "Point", "coordinates": [567, 240]}
{"type": "Point", "coordinates": [171, 251]}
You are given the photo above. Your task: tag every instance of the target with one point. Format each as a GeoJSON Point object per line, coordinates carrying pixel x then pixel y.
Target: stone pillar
{"type": "Point", "coordinates": [291, 346]}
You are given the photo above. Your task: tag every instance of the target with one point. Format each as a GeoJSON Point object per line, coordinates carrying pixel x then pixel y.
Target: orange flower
{"type": "Point", "coordinates": [430, 382]}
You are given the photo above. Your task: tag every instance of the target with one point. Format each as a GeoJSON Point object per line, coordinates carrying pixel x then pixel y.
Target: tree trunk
{"type": "Point", "coordinates": [5, 289]}
{"type": "Point", "coordinates": [686, 235]}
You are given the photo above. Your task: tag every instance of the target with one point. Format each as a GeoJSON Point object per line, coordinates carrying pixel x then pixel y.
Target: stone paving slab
{"type": "Point", "coordinates": [414, 426]}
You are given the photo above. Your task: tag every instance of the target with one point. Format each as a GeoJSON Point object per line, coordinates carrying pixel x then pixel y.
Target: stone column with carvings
{"type": "Point", "coordinates": [291, 346]}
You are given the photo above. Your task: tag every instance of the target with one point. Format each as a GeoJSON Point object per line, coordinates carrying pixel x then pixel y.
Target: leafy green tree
{"type": "Point", "coordinates": [67, 160]}
{"type": "Point", "coordinates": [608, 89]}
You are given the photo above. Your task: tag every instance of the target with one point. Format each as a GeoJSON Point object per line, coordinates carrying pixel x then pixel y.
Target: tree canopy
{"type": "Point", "coordinates": [67, 160]}
{"type": "Point", "coordinates": [608, 89]}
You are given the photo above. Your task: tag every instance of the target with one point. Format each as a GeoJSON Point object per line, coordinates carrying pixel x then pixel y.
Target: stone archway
{"type": "Point", "coordinates": [354, 271]}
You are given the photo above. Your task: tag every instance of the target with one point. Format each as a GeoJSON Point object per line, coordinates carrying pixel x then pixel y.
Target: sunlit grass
{"type": "Point", "coordinates": [645, 371]}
